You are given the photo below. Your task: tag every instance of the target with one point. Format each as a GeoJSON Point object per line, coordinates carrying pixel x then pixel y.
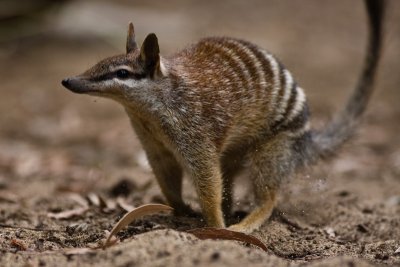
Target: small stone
{"type": "Point", "coordinates": [330, 231]}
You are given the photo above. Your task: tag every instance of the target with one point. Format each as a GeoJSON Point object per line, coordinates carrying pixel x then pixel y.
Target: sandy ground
{"type": "Point", "coordinates": [57, 148]}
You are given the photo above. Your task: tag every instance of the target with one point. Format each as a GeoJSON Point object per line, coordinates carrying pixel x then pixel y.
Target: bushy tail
{"type": "Point", "coordinates": [341, 128]}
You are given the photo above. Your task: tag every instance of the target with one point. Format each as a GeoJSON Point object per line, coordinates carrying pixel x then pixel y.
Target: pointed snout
{"type": "Point", "coordinates": [65, 82]}
{"type": "Point", "coordinates": [79, 85]}
{"type": "Point", "coordinates": [71, 84]}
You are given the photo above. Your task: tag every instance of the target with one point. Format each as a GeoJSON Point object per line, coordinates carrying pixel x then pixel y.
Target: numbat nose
{"type": "Point", "coordinates": [65, 82]}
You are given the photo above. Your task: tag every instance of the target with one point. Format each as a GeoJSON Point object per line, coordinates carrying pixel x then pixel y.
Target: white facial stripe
{"type": "Point", "coordinates": [131, 83]}
{"type": "Point", "coordinates": [108, 83]}
{"type": "Point", "coordinates": [121, 67]}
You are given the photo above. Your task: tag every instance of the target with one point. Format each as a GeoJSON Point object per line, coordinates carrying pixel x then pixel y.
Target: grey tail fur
{"type": "Point", "coordinates": [327, 140]}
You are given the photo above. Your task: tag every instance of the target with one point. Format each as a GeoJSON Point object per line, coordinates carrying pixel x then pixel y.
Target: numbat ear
{"type": "Point", "coordinates": [150, 54]}
{"type": "Point", "coordinates": [131, 44]}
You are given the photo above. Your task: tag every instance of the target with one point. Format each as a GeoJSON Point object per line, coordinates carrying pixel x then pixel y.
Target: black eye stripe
{"type": "Point", "coordinates": [125, 74]}
{"type": "Point", "coordinates": [112, 75]}
{"type": "Point", "coordinates": [122, 74]}
{"type": "Point", "coordinates": [139, 76]}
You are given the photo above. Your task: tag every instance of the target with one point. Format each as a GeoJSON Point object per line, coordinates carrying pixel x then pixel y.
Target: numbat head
{"type": "Point", "coordinates": [129, 77]}
{"type": "Point", "coordinates": [219, 106]}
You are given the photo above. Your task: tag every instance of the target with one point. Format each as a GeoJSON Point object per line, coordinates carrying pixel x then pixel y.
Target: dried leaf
{"type": "Point", "coordinates": [8, 197]}
{"type": "Point", "coordinates": [135, 214]}
{"type": "Point", "coordinates": [124, 205]}
{"type": "Point", "coordinates": [94, 199]}
{"type": "Point", "coordinates": [68, 213]}
{"type": "Point", "coordinates": [111, 205]}
{"type": "Point", "coordinates": [112, 241]}
{"type": "Point", "coordinates": [18, 244]}
{"type": "Point", "coordinates": [98, 201]}
{"type": "Point", "coordinates": [103, 203]}
{"type": "Point", "coordinates": [219, 233]}
{"type": "Point", "coordinates": [79, 199]}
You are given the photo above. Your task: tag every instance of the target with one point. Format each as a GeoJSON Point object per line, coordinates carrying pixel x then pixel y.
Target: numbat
{"type": "Point", "coordinates": [218, 106]}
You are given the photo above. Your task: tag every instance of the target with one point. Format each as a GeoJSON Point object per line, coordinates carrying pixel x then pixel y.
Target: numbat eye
{"type": "Point", "coordinates": [122, 74]}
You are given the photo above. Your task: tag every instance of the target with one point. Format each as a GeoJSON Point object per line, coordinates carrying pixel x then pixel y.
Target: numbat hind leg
{"type": "Point", "coordinates": [270, 163]}
{"type": "Point", "coordinates": [231, 165]}
{"type": "Point", "coordinates": [266, 200]}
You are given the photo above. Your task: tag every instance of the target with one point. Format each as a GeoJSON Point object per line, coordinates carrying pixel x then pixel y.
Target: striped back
{"type": "Point", "coordinates": [241, 87]}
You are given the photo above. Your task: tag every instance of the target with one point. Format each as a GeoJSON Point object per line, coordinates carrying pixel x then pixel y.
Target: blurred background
{"type": "Point", "coordinates": [57, 147]}
{"type": "Point", "coordinates": [53, 137]}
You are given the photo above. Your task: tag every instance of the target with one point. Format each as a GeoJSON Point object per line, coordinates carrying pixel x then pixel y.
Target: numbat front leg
{"type": "Point", "coordinates": [208, 183]}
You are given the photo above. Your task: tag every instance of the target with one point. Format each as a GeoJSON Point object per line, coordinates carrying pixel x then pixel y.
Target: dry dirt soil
{"type": "Point", "coordinates": [61, 152]}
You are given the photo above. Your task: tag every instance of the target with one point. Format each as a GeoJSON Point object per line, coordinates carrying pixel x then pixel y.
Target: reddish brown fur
{"type": "Point", "coordinates": [210, 110]}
